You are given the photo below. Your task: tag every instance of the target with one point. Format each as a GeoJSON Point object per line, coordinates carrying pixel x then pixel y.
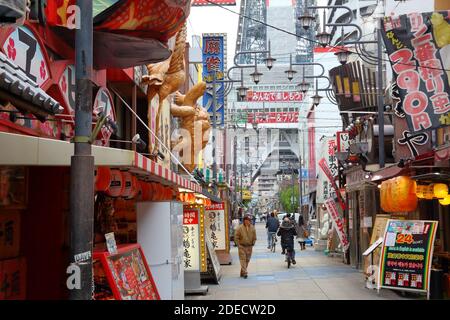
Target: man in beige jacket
{"type": "Point", "coordinates": [245, 238]}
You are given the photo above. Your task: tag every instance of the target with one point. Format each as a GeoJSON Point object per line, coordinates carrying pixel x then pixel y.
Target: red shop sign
{"type": "Point", "coordinates": [25, 49]}
{"type": "Point", "coordinates": [104, 104]}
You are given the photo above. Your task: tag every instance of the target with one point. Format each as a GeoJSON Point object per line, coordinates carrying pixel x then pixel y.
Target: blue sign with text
{"type": "Point", "coordinates": [213, 58]}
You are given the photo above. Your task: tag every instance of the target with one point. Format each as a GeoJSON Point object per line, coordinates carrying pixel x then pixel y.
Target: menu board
{"type": "Point", "coordinates": [406, 255]}
{"type": "Point", "coordinates": [213, 262]}
{"type": "Point", "coordinates": [191, 240]}
{"type": "Point", "coordinates": [215, 223]}
{"type": "Point", "coordinates": [128, 274]}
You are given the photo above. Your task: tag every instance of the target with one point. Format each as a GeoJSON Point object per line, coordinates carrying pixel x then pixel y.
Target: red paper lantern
{"type": "Point", "coordinates": [156, 191]}
{"type": "Point", "coordinates": [117, 184]}
{"type": "Point", "coordinates": [145, 190]}
{"type": "Point", "coordinates": [102, 178]}
{"type": "Point", "coordinates": [169, 193]}
{"type": "Point", "coordinates": [130, 188]}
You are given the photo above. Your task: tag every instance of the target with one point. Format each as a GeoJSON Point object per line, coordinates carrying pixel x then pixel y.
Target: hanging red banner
{"type": "Point", "coordinates": [324, 166]}
{"type": "Point", "coordinates": [274, 96]}
{"type": "Point", "coordinates": [273, 117]}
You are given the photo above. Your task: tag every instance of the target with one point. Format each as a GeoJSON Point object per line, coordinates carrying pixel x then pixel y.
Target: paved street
{"type": "Point", "coordinates": [315, 276]}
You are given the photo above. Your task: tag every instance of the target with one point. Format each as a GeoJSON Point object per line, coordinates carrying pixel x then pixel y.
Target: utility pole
{"type": "Point", "coordinates": [292, 184]}
{"type": "Point", "coordinates": [214, 133]}
{"type": "Point", "coordinates": [235, 171]}
{"type": "Point", "coordinates": [242, 187]}
{"type": "Point", "coordinates": [82, 162]}
{"type": "Point", "coordinates": [300, 186]}
{"type": "Point", "coordinates": [380, 95]}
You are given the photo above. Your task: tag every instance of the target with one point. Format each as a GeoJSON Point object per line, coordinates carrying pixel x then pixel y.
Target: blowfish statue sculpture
{"type": "Point", "coordinates": [194, 122]}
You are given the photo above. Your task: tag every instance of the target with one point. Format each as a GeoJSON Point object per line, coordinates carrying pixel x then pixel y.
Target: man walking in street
{"type": "Point", "coordinates": [272, 226]}
{"type": "Point", "coordinates": [245, 237]}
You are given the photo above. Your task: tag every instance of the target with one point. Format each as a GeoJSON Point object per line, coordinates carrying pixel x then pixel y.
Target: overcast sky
{"type": "Point", "coordinates": [211, 19]}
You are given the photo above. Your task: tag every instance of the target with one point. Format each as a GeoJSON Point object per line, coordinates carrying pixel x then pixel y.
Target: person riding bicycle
{"type": "Point", "coordinates": [287, 233]}
{"type": "Point", "coordinates": [272, 225]}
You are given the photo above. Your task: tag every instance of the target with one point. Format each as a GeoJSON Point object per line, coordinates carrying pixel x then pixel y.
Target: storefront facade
{"type": "Point", "coordinates": [35, 171]}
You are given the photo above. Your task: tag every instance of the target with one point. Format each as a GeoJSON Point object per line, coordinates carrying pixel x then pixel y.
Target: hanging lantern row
{"type": "Point", "coordinates": [399, 195]}
{"type": "Point", "coordinates": [122, 184]}
{"type": "Point", "coordinates": [190, 198]}
{"type": "Point", "coordinates": [434, 191]}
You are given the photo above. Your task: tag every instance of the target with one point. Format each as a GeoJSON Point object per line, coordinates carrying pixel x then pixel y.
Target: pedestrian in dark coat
{"type": "Point", "coordinates": [287, 233]}
{"type": "Point", "coordinates": [272, 226]}
{"type": "Point", "coordinates": [301, 232]}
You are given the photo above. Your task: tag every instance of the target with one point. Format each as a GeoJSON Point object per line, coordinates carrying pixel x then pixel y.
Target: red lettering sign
{"type": "Point", "coordinates": [324, 166]}
{"type": "Point", "coordinates": [273, 96]}
{"type": "Point", "coordinates": [338, 223]}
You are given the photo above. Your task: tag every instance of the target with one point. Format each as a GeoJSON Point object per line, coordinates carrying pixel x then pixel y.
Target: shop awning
{"type": "Point", "coordinates": [389, 172]}
{"type": "Point", "coordinates": [35, 151]}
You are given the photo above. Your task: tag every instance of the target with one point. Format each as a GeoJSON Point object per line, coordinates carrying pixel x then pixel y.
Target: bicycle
{"type": "Point", "coordinates": [274, 242]}
{"type": "Point", "coordinates": [289, 257]}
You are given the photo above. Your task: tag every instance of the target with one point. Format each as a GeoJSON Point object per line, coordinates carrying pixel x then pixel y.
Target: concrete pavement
{"type": "Point", "coordinates": [315, 276]}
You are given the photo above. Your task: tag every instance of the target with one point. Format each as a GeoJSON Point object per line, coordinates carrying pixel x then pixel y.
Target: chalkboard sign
{"type": "Point", "coordinates": [406, 255]}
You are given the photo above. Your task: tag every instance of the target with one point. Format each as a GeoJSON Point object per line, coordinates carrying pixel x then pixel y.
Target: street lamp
{"type": "Point", "coordinates": [290, 72]}
{"type": "Point", "coordinates": [269, 60]}
{"type": "Point", "coordinates": [324, 37]}
{"type": "Point", "coordinates": [316, 98]}
{"type": "Point", "coordinates": [242, 90]}
{"type": "Point", "coordinates": [256, 76]}
{"type": "Point", "coordinates": [303, 86]}
{"type": "Point", "coordinates": [306, 20]}
{"type": "Point", "coordinates": [343, 54]}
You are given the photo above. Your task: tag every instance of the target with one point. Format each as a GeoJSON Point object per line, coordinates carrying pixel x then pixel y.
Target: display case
{"type": "Point", "coordinates": [123, 276]}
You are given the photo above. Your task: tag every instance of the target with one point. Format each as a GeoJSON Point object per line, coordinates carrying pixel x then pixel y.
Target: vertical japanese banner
{"type": "Point", "coordinates": [418, 45]}
{"type": "Point", "coordinates": [343, 141]}
{"type": "Point", "coordinates": [324, 166]}
{"type": "Point", "coordinates": [194, 228]}
{"type": "Point", "coordinates": [216, 224]}
{"type": "Point", "coordinates": [214, 61]}
{"type": "Point", "coordinates": [325, 188]}
{"type": "Point", "coordinates": [338, 223]}
{"type": "Point", "coordinates": [191, 239]}
{"type": "Point", "coordinates": [407, 254]}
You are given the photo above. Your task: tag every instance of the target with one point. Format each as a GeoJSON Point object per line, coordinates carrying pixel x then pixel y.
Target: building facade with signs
{"type": "Point", "coordinates": [37, 126]}
{"type": "Point", "coordinates": [415, 137]}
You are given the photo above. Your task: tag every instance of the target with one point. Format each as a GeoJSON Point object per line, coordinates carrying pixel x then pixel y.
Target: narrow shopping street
{"type": "Point", "coordinates": [314, 277]}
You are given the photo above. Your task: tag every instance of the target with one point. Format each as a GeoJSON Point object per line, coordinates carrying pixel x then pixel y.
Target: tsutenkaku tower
{"type": "Point", "coordinates": [252, 35]}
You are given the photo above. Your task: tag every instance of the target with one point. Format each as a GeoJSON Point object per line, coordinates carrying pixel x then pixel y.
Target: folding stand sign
{"type": "Point", "coordinates": [213, 266]}
{"type": "Point", "coordinates": [370, 250]}
{"type": "Point", "coordinates": [406, 255]}
{"type": "Point", "coordinates": [216, 222]}
{"type": "Point", "coordinates": [194, 249]}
